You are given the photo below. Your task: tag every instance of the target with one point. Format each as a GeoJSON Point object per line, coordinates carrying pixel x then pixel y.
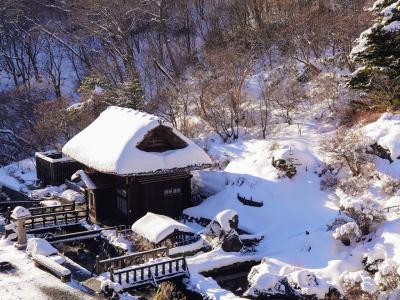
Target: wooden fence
{"type": "Point", "coordinates": [249, 202]}
{"type": "Point", "coordinates": [129, 260]}
{"type": "Point", "coordinates": [395, 207]}
{"type": "Point", "coordinates": [182, 239]}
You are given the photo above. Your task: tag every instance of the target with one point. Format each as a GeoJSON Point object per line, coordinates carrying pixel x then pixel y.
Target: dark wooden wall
{"type": "Point", "coordinates": [55, 173]}
{"type": "Point", "coordinates": [144, 194]}
{"type": "Point", "coordinates": [147, 195]}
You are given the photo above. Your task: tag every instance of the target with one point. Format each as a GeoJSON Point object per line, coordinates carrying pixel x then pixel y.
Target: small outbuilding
{"type": "Point", "coordinates": [52, 167]}
{"type": "Point", "coordinates": [161, 230]}
{"type": "Point", "coordinates": [134, 163]}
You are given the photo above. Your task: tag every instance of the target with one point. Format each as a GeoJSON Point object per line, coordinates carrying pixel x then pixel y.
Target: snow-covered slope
{"type": "Point", "coordinates": [294, 218]}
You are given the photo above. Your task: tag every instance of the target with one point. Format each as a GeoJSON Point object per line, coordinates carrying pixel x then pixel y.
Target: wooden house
{"type": "Point", "coordinates": [134, 163]}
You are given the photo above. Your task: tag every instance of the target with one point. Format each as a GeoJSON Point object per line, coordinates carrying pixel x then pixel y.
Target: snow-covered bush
{"type": "Point", "coordinates": [358, 285]}
{"type": "Point", "coordinates": [390, 186]}
{"type": "Point", "coordinates": [170, 290]}
{"type": "Point", "coordinates": [348, 147]}
{"type": "Point", "coordinates": [347, 233]}
{"type": "Point", "coordinates": [367, 213]}
{"type": "Point", "coordinates": [354, 185]}
{"type": "Point", "coordinates": [337, 222]}
{"type": "Point", "coordinates": [305, 282]}
{"type": "Point", "coordinates": [374, 258]}
{"type": "Point", "coordinates": [388, 277]}
{"type": "Point", "coordinates": [329, 179]}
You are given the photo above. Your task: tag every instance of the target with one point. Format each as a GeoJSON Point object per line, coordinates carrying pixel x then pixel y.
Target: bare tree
{"type": "Point", "coordinates": [220, 103]}
{"type": "Point", "coordinates": [348, 147]}
{"type": "Point", "coordinates": [288, 99]}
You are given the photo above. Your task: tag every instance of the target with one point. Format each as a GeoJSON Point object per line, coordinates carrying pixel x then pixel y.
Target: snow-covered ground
{"type": "Point", "coordinates": [293, 218]}
{"type": "Point", "coordinates": [296, 211]}
{"type": "Point", "coordinates": [28, 282]}
{"type": "Point", "coordinates": [19, 174]}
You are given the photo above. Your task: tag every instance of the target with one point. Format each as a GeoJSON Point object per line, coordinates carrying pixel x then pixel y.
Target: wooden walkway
{"type": "Point", "coordinates": [154, 273]}
{"type": "Point", "coordinates": [135, 270]}
{"type": "Point", "coordinates": [124, 261]}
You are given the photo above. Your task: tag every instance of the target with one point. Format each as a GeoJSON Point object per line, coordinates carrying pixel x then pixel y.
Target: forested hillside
{"type": "Point", "coordinates": [287, 184]}
{"type": "Point", "coordinates": [226, 67]}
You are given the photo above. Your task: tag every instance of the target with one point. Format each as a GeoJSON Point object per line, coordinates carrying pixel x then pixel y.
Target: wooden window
{"type": "Point", "coordinates": [156, 141]}
{"type": "Point", "coordinates": [172, 191]}
{"type": "Point", "coordinates": [122, 202]}
{"type": "Point", "coordinates": [91, 199]}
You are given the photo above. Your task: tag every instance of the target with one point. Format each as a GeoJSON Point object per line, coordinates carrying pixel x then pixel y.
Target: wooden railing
{"type": "Point", "coordinates": [249, 202]}
{"type": "Point", "coordinates": [4, 205]}
{"type": "Point", "coordinates": [52, 209]}
{"type": "Point", "coordinates": [151, 273]}
{"type": "Point", "coordinates": [388, 209]}
{"type": "Point", "coordinates": [54, 219]}
{"type": "Point", "coordinates": [75, 236]}
{"type": "Point", "coordinates": [182, 239]}
{"type": "Point", "coordinates": [129, 260]}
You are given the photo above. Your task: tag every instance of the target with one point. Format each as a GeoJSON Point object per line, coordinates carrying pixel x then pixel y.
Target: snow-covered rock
{"type": "Point", "coordinates": [20, 212]}
{"type": "Point", "coordinates": [73, 196]}
{"type": "Point", "coordinates": [347, 233]}
{"type": "Point", "coordinates": [37, 246]}
{"type": "Point", "coordinates": [226, 219]}
{"type": "Point", "coordinates": [108, 284]}
{"type": "Point", "coordinates": [386, 132]}
{"type": "Point", "coordinates": [307, 283]}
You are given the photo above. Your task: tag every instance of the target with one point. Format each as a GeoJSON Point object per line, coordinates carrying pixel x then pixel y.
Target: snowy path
{"type": "Point", "coordinates": [28, 282]}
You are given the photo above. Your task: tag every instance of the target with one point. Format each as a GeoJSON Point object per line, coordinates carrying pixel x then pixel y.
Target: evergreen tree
{"type": "Point", "coordinates": [127, 94]}
{"type": "Point", "coordinates": [378, 50]}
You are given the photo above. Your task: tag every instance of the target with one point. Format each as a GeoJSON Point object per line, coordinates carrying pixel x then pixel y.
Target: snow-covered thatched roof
{"type": "Point", "coordinates": [109, 145]}
{"type": "Point", "coordinates": [155, 227]}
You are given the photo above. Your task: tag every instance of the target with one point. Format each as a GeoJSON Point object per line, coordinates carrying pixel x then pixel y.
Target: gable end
{"type": "Point", "coordinates": [161, 139]}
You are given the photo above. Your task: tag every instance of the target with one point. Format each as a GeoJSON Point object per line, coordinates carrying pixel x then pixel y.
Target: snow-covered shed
{"type": "Point", "coordinates": [163, 231]}
{"type": "Point", "coordinates": [135, 163]}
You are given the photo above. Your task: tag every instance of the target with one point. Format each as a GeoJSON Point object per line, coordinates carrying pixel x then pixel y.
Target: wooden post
{"type": "Point", "coordinates": [97, 264]}
{"type": "Point", "coordinates": [21, 244]}
{"type": "Point", "coordinates": [112, 273]}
